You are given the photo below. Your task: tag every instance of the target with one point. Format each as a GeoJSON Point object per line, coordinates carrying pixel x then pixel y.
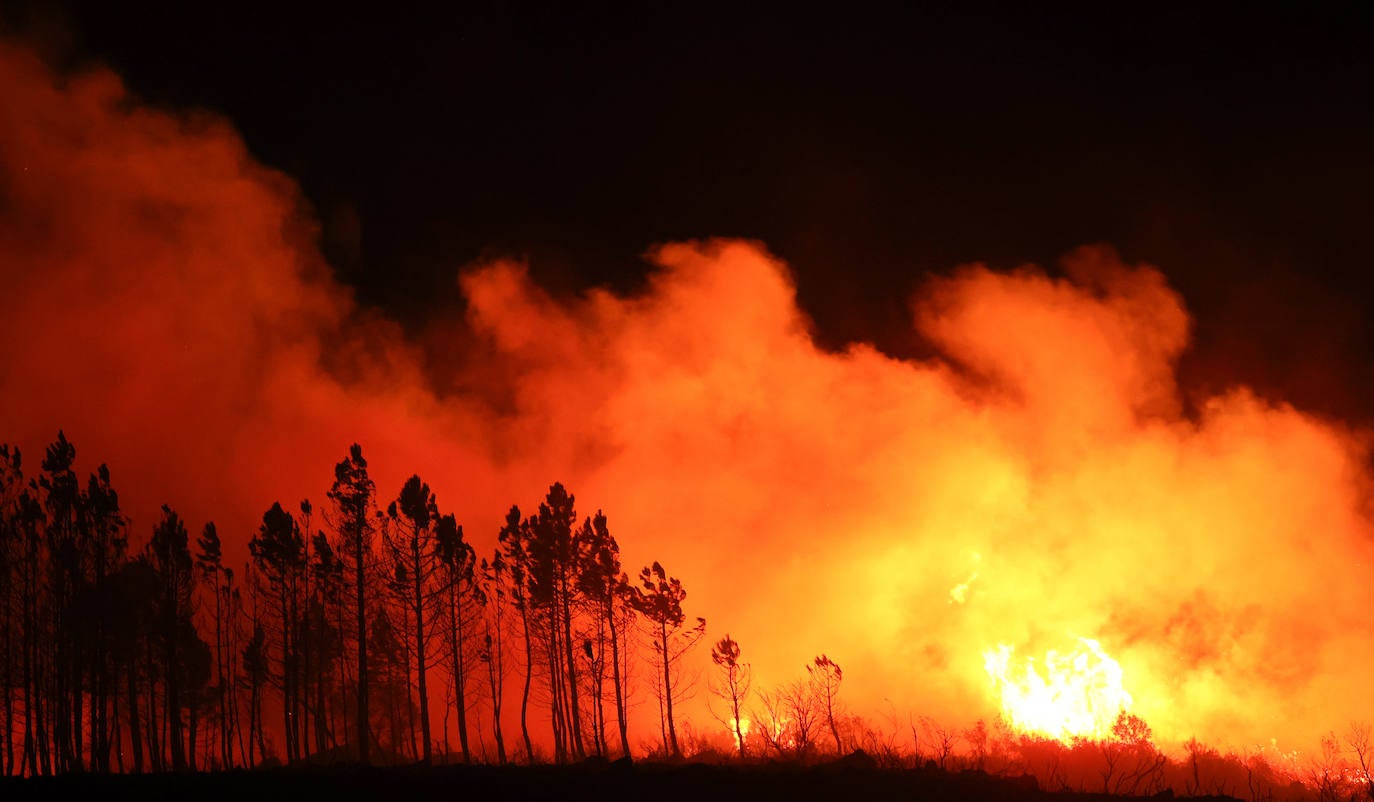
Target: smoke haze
{"type": "Point", "coordinates": [164, 302]}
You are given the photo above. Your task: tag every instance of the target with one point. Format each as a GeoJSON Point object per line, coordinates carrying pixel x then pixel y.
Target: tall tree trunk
{"type": "Point", "coordinates": [231, 659]}
{"type": "Point", "coordinates": [43, 700]}
{"type": "Point", "coordinates": [600, 692]}
{"type": "Point", "coordinates": [252, 722]}
{"type": "Point", "coordinates": [116, 733]}
{"type": "Point", "coordinates": [28, 765]}
{"type": "Point", "coordinates": [529, 674]}
{"type": "Point", "coordinates": [363, 730]}
{"type": "Point", "coordinates": [565, 614]}
{"type": "Point", "coordinates": [557, 688]}
{"type": "Point", "coordinates": [193, 725]}
{"type": "Point", "coordinates": [395, 720]}
{"type": "Point", "coordinates": [405, 674]}
{"type": "Point", "coordinates": [456, 660]}
{"type": "Point", "coordinates": [58, 703]}
{"type": "Point", "coordinates": [288, 677]}
{"type": "Point", "coordinates": [495, 674]}
{"type": "Point", "coordinates": [303, 683]}
{"type": "Point", "coordinates": [135, 738]}
{"type": "Point", "coordinates": [9, 688]}
{"type": "Point", "coordinates": [77, 663]}
{"type": "Point", "coordinates": [420, 655]}
{"type": "Point", "coordinates": [256, 713]}
{"type": "Point", "coordinates": [174, 698]}
{"type": "Point", "coordinates": [99, 670]}
{"type": "Point", "coordinates": [226, 752]}
{"type": "Point", "coordinates": [343, 669]}
{"type": "Point", "coordinates": [620, 712]}
{"type": "Point", "coordinates": [322, 717]}
{"type": "Point", "coordinates": [152, 721]}
{"type": "Point", "coordinates": [30, 762]}
{"type": "Point", "coordinates": [668, 690]}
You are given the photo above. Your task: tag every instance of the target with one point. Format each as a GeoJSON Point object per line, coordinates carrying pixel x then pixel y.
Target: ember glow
{"type": "Point", "coordinates": [164, 304]}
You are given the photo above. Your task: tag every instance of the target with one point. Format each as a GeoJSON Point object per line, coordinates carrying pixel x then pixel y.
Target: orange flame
{"type": "Point", "coordinates": [1075, 694]}
{"type": "Point", "coordinates": [742, 733]}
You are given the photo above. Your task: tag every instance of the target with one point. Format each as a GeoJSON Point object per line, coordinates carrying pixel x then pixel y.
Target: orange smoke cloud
{"type": "Point", "coordinates": [1038, 483]}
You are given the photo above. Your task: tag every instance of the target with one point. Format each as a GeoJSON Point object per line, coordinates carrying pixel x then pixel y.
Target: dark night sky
{"type": "Point", "coordinates": [1230, 146]}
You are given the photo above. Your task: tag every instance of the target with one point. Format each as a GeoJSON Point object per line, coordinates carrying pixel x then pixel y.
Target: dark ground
{"type": "Point", "coordinates": [660, 783]}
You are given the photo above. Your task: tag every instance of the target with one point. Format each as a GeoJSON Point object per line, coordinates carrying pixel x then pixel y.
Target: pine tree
{"type": "Point", "coordinates": [456, 559]}
{"type": "Point", "coordinates": [659, 601]}
{"type": "Point", "coordinates": [352, 494]}
{"type": "Point", "coordinates": [170, 557]}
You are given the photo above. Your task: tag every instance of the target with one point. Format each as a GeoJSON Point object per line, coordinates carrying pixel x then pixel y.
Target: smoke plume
{"type": "Point", "coordinates": [1040, 480]}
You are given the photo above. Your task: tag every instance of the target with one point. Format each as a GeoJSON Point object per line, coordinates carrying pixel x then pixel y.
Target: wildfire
{"type": "Point", "coordinates": [1066, 695]}
{"type": "Point", "coordinates": [743, 724]}
{"type": "Point", "coordinates": [1041, 420]}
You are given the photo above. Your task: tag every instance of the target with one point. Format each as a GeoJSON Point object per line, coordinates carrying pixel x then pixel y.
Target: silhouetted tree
{"type": "Point", "coordinates": [399, 675]}
{"type": "Point", "coordinates": [391, 685]}
{"type": "Point", "coordinates": [606, 589]}
{"type": "Point", "coordinates": [456, 558]}
{"type": "Point", "coordinates": [304, 634]}
{"type": "Point", "coordinates": [11, 554]}
{"type": "Point", "coordinates": [25, 529]}
{"type": "Point", "coordinates": [551, 576]}
{"type": "Point", "coordinates": [511, 540]}
{"type": "Point", "coordinates": [279, 555]}
{"type": "Point", "coordinates": [825, 678]}
{"type": "Point", "coordinates": [1359, 741]}
{"type": "Point", "coordinates": [659, 601]}
{"type": "Point", "coordinates": [135, 593]}
{"type": "Point", "coordinates": [105, 544]}
{"type": "Point", "coordinates": [414, 515]}
{"type": "Point", "coordinates": [942, 739]}
{"type": "Point", "coordinates": [255, 668]}
{"type": "Point", "coordinates": [788, 718]}
{"type": "Point", "coordinates": [30, 519]}
{"type": "Point", "coordinates": [210, 560]}
{"type": "Point", "coordinates": [492, 653]}
{"type": "Point", "coordinates": [1131, 750]}
{"type": "Point", "coordinates": [62, 505]}
{"type": "Point", "coordinates": [734, 684]}
{"type": "Point", "coordinates": [103, 657]}
{"type": "Point", "coordinates": [326, 616]}
{"type": "Point", "coordinates": [170, 556]}
{"type": "Point", "coordinates": [232, 607]}
{"type": "Point", "coordinates": [977, 739]}
{"type": "Point", "coordinates": [352, 494]}
{"type": "Point", "coordinates": [193, 680]}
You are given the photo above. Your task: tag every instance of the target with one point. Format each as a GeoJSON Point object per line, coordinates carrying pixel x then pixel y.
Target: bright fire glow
{"type": "Point", "coordinates": [795, 487]}
{"type": "Point", "coordinates": [743, 724]}
{"type": "Point", "coordinates": [1066, 695]}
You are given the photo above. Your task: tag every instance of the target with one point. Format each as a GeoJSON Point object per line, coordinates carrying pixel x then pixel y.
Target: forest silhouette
{"type": "Point", "coordinates": [131, 654]}
{"type": "Point", "coordinates": [351, 625]}
{"type": "Point", "coordinates": [1031, 478]}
